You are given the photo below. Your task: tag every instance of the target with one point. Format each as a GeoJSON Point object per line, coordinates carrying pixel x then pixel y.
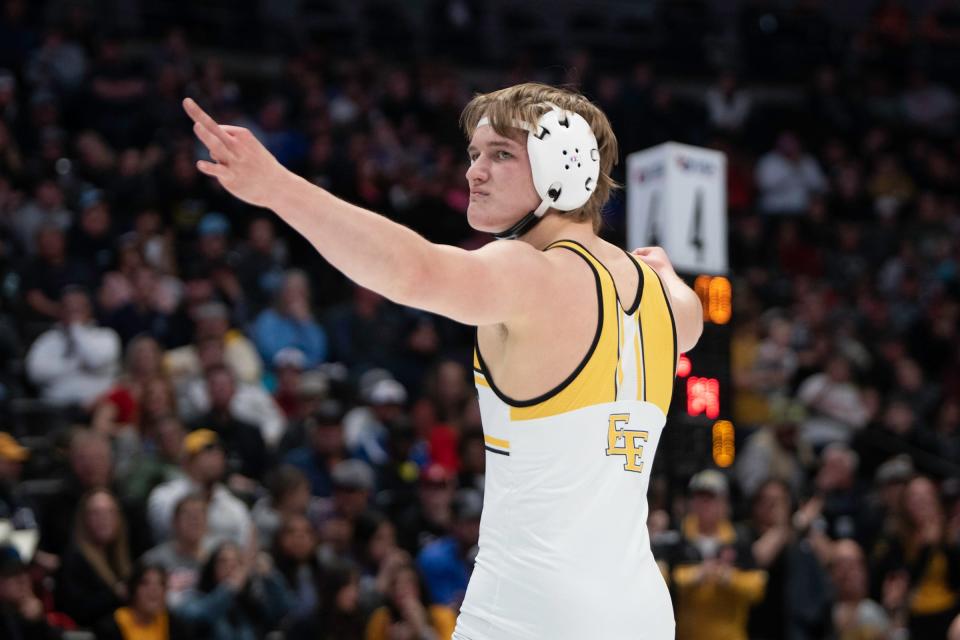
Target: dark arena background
{"type": "Point", "coordinates": [158, 335]}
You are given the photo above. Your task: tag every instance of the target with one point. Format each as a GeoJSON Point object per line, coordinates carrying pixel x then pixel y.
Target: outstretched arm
{"type": "Point", "coordinates": [687, 310]}
{"type": "Point", "coordinates": [474, 287]}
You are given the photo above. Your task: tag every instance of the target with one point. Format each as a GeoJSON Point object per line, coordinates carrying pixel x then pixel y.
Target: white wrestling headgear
{"type": "Point", "coordinates": [565, 163]}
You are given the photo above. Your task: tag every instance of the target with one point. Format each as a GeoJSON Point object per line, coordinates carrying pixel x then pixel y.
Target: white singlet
{"type": "Point", "coordinates": [564, 550]}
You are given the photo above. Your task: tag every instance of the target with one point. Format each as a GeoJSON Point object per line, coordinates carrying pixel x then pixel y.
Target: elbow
{"type": "Point", "coordinates": [409, 286]}
{"type": "Point", "coordinates": [691, 327]}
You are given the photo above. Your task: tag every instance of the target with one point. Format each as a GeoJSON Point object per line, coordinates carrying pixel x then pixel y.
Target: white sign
{"type": "Point", "coordinates": [677, 199]}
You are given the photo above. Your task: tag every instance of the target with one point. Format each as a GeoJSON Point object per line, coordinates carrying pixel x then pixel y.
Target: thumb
{"type": "Point", "coordinates": [212, 168]}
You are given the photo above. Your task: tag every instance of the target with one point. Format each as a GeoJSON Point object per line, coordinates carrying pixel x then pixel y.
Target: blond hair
{"type": "Point", "coordinates": [112, 563]}
{"type": "Point", "coordinates": [526, 103]}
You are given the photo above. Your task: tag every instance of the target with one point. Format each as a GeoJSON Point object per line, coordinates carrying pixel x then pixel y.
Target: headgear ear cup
{"type": "Point", "coordinates": [565, 162]}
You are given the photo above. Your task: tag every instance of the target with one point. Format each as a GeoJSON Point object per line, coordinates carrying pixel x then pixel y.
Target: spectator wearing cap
{"type": "Point", "coordinates": [13, 507]}
{"type": "Point", "coordinates": [446, 563]}
{"type": "Point", "coordinates": [183, 556]}
{"type": "Point", "coordinates": [213, 233]}
{"type": "Point", "coordinates": [712, 574]}
{"type": "Point", "coordinates": [290, 323]}
{"type": "Point", "coordinates": [353, 484]}
{"type": "Point", "coordinates": [49, 273]}
{"type": "Point", "coordinates": [431, 516]}
{"type": "Point", "coordinates": [76, 361]}
{"type": "Point", "coordinates": [147, 614]}
{"type": "Point", "coordinates": [204, 465]}
{"type": "Point", "coordinates": [324, 447]}
{"type": "Point", "coordinates": [917, 570]}
{"type": "Point", "coordinates": [22, 615]}
{"type": "Point", "coordinates": [92, 579]}
{"type": "Point", "coordinates": [212, 323]}
{"type": "Point", "coordinates": [367, 428]}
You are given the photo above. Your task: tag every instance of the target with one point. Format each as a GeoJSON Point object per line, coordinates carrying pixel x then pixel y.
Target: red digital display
{"type": "Point", "coordinates": [703, 396]}
{"type": "Point", "coordinates": [683, 366]}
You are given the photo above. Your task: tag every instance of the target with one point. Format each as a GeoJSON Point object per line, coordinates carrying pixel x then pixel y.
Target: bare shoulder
{"type": "Point", "coordinates": [541, 268]}
{"type": "Point", "coordinates": [553, 280]}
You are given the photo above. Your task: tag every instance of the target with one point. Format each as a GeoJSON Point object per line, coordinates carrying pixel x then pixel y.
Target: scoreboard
{"type": "Point", "coordinates": [676, 199]}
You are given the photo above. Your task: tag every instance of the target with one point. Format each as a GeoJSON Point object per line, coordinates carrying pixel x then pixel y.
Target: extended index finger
{"type": "Point", "coordinates": [202, 118]}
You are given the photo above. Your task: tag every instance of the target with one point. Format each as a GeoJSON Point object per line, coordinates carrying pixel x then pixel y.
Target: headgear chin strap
{"type": "Point", "coordinates": [564, 161]}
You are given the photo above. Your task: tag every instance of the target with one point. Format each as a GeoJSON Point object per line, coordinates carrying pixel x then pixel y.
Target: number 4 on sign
{"type": "Point", "coordinates": [696, 225]}
{"type": "Point", "coordinates": [653, 234]}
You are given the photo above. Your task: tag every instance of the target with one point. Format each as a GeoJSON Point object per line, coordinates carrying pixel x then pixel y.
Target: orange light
{"type": "Point", "coordinates": [715, 296]}
{"type": "Point", "coordinates": [724, 450]}
{"type": "Point", "coordinates": [718, 300]}
{"type": "Point", "coordinates": [701, 286]}
{"type": "Point", "coordinates": [703, 396]}
{"type": "Point", "coordinates": [683, 366]}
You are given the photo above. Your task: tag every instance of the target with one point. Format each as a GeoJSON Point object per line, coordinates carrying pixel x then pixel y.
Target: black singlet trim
{"type": "Point", "coordinates": [563, 385]}
{"type": "Point", "coordinates": [640, 283]}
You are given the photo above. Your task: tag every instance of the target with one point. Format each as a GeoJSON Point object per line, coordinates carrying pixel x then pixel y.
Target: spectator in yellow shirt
{"type": "Point", "coordinates": [712, 576]}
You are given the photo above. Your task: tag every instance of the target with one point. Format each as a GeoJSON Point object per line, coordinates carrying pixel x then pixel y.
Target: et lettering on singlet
{"type": "Point", "coordinates": [626, 442]}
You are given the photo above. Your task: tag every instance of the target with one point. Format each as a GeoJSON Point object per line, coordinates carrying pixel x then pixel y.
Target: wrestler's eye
{"type": "Point", "coordinates": [504, 155]}
{"type": "Point", "coordinates": [473, 157]}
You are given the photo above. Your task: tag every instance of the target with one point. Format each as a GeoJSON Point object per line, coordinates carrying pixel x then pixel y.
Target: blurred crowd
{"type": "Point", "coordinates": [209, 433]}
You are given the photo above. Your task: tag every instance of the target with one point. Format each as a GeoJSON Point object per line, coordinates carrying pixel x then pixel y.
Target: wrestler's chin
{"type": "Point", "coordinates": [480, 219]}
